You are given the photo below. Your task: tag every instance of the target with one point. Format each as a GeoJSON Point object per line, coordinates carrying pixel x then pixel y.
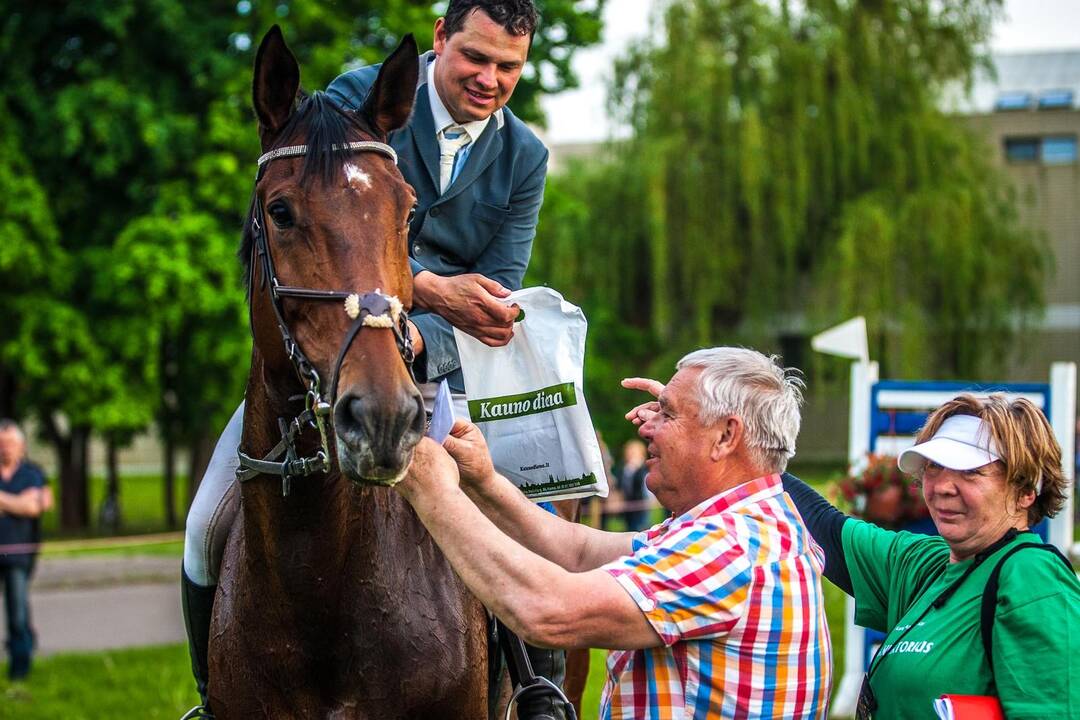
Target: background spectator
{"type": "Point", "coordinates": [630, 478]}
{"type": "Point", "coordinates": [24, 496]}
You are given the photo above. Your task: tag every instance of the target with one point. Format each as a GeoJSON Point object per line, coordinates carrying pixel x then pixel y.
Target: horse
{"type": "Point", "coordinates": [334, 602]}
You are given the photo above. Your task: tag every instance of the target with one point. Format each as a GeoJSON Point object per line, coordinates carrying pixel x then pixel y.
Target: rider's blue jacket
{"type": "Point", "coordinates": [484, 222]}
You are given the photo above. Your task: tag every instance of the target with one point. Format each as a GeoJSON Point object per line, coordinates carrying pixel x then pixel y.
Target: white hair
{"type": "Point", "coordinates": [7, 425]}
{"type": "Point", "coordinates": [756, 388]}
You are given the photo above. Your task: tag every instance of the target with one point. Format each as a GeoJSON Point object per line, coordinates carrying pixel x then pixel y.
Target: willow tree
{"type": "Point", "coordinates": [792, 162]}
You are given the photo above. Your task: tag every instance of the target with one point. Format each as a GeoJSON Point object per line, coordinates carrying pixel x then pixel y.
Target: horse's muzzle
{"type": "Point", "coordinates": [376, 434]}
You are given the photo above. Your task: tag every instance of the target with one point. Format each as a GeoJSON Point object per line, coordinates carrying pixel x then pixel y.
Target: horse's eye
{"type": "Point", "coordinates": [280, 214]}
{"type": "Point", "coordinates": [412, 214]}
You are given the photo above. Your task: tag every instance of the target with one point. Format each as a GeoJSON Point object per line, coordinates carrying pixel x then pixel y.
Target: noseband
{"type": "Point", "coordinates": [371, 309]}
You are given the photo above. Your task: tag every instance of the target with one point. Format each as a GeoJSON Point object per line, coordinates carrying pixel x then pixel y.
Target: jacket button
{"type": "Point", "coordinates": [416, 249]}
{"type": "Point", "coordinates": [434, 212]}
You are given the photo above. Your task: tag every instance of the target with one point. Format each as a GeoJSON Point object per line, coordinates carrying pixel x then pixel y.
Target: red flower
{"type": "Point", "coordinates": [869, 494]}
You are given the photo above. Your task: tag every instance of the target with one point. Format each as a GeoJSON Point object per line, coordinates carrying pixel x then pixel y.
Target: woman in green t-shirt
{"type": "Point", "coordinates": [990, 469]}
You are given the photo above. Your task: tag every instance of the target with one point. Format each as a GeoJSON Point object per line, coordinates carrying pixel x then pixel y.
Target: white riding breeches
{"type": "Point", "coordinates": [206, 528]}
{"type": "Point", "coordinates": [210, 516]}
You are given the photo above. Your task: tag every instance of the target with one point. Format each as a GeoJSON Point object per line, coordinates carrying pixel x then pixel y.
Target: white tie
{"type": "Point", "coordinates": [451, 140]}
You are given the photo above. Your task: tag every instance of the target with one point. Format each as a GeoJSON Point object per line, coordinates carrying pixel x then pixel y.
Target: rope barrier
{"type": "Point", "coordinates": [57, 546]}
{"type": "Point", "coordinates": [20, 549]}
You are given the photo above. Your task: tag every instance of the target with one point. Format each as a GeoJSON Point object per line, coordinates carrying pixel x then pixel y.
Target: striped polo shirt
{"type": "Point", "coordinates": [733, 588]}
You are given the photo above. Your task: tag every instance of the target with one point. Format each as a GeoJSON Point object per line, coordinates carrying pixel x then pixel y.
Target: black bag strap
{"type": "Point", "coordinates": [990, 593]}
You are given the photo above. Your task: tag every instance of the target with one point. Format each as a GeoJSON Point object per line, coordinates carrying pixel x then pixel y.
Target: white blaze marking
{"type": "Point", "coordinates": [358, 179]}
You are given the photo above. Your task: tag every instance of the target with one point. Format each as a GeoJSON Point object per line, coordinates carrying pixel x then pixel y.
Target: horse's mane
{"type": "Point", "coordinates": [325, 127]}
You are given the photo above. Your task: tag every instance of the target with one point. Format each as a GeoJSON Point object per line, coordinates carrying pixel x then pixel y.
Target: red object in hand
{"type": "Point", "coordinates": [971, 707]}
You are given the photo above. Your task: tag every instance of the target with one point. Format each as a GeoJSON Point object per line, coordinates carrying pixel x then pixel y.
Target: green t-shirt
{"type": "Point", "coordinates": [1036, 640]}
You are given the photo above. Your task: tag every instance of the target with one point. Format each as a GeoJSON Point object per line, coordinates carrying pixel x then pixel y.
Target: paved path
{"type": "Point", "coordinates": [98, 603]}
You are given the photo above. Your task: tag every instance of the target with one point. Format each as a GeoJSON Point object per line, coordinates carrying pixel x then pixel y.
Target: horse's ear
{"type": "Point", "coordinates": [390, 100]}
{"type": "Point", "coordinates": [277, 80]}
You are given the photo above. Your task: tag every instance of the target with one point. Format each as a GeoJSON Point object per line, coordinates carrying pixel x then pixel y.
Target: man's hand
{"type": "Point", "coordinates": [468, 302]}
{"type": "Point", "coordinates": [416, 339]}
{"type": "Point", "coordinates": [643, 412]}
{"type": "Point", "coordinates": [467, 446]}
{"type": "Point", "coordinates": [431, 470]}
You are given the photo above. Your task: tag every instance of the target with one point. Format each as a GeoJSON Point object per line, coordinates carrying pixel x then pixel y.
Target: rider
{"type": "Point", "coordinates": [478, 173]}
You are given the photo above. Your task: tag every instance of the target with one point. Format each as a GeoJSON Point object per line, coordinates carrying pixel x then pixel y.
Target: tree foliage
{"type": "Point", "coordinates": [790, 167]}
{"type": "Point", "coordinates": [127, 150]}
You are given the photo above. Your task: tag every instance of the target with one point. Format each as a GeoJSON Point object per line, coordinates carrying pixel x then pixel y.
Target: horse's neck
{"type": "Point", "coordinates": [316, 508]}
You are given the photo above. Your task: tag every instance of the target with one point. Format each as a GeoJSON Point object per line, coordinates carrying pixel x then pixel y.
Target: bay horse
{"type": "Point", "coordinates": [333, 601]}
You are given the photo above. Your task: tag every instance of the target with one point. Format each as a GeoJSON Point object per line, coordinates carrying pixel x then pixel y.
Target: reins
{"type": "Point", "coordinates": [373, 309]}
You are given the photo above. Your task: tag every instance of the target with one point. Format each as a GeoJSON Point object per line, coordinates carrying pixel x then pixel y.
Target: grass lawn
{"type": "Point", "coordinates": [153, 682]}
{"type": "Point", "coordinates": [169, 546]}
{"type": "Point", "coordinates": [142, 506]}
{"type": "Point", "coordinates": [150, 682]}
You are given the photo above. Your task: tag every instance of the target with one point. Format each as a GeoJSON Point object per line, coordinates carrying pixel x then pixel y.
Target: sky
{"type": "Point", "coordinates": [579, 115]}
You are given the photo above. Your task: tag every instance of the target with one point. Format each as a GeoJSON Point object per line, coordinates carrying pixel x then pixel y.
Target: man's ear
{"type": "Point", "coordinates": [439, 43]}
{"type": "Point", "coordinates": [726, 436]}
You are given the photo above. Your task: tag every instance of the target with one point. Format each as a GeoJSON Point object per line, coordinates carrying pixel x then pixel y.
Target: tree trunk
{"type": "Point", "coordinates": [170, 478]}
{"type": "Point", "coordinates": [202, 447]}
{"type": "Point", "coordinates": [109, 513]}
{"type": "Point", "coordinates": [7, 394]}
{"type": "Point", "coordinates": [72, 453]}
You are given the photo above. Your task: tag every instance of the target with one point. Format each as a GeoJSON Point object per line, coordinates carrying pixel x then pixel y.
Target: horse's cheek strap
{"type": "Point", "coordinates": [354, 330]}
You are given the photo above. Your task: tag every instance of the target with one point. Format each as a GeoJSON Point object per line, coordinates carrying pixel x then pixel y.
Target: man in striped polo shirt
{"type": "Point", "coordinates": [718, 611]}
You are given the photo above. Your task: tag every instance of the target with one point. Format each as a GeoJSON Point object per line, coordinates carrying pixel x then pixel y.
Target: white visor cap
{"type": "Point", "coordinates": [962, 442]}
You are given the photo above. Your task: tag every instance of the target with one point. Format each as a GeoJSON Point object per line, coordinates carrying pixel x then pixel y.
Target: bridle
{"type": "Point", "coordinates": [371, 309]}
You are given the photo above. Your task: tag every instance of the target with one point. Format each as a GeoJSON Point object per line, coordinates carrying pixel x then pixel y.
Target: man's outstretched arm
{"type": "Point", "coordinates": [570, 545]}
{"type": "Point", "coordinates": [545, 604]}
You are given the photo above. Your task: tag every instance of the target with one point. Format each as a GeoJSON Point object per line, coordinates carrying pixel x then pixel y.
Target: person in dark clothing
{"type": "Point", "coordinates": [630, 477]}
{"type": "Point", "coordinates": [24, 496]}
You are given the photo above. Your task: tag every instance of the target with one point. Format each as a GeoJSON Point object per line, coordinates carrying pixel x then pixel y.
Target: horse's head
{"type": "Point", "coordinates": [334, 216]}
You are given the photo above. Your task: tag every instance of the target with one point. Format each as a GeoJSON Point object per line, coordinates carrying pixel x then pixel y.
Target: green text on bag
{"type": "Point", "coordinates": [530, 403]}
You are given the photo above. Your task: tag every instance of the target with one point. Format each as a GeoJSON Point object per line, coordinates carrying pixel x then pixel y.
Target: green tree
{"type": "Point", "coordinates": [791, 161]}
{"type": "Point", "coordinates": [109, 102]}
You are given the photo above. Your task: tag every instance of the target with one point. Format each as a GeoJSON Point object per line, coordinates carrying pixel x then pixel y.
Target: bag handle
{"type": "Point", "coordinates": [990, 593]}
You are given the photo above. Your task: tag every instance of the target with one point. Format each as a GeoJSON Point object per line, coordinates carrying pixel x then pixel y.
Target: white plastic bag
{"type": "Point", "coordinates": [526, 398]}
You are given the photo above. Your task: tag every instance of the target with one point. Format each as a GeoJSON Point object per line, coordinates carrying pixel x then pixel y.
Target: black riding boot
{"type": "Point", "coordinates": [544, 706]}
{"type": "Point", "coordinates": [198, 603]}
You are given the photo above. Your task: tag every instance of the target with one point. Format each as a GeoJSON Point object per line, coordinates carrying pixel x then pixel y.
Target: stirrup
{"type": "Point", "coordinates": [199, 712]}
{"type": "Point", "coordinates": [543, 686]}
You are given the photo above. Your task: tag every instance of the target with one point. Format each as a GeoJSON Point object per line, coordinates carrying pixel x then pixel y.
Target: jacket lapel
{"type": "Point", "coordinates": [487, 149]}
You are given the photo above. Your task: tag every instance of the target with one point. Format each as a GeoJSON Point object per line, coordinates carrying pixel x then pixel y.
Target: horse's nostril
{"type": "Point", "coordinates": [356, 413]}
{"type": "Point", "coordinates": [362, 419]}
{"type": "Point", "coordinates": [419, 421]}
{"type": "Point", "coordinates": [352, 418]}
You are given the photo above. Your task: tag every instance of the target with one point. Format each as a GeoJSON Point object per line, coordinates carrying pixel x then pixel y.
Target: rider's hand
{"type": "Point", "coordinates": [643, 412]}
{"type": "Point", "coordinates": [467, 446]}
{"type": "Point", "coordinates": [416, 338]}
{"type": "Point", "coordinates": [430, 471]}
{"type": "Point", "coordinates": [470, 302]}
